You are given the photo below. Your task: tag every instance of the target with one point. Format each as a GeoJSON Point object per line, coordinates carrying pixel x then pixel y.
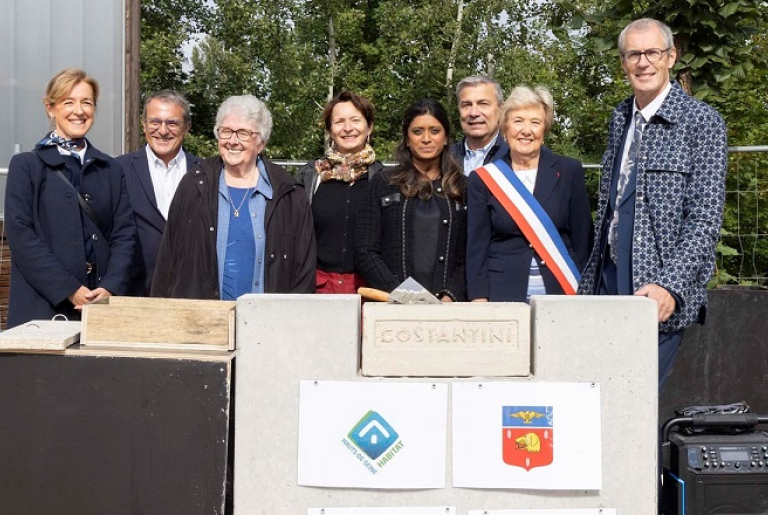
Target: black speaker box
{"type": "Point", "coordinates": [716, 474]}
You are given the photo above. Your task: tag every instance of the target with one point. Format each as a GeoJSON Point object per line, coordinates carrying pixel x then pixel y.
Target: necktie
{"type": "Point", "coordinates": [630, 167]}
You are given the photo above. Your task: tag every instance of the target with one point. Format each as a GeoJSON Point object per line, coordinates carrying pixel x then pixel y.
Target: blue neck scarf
{"type": "Point", "coordinates": [53, 140]}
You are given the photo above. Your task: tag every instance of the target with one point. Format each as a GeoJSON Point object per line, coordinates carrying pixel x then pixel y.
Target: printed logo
{"type": "Point", "coordinates": [373, 437]}
{"type": "Point", "coordinates": [527, 436]}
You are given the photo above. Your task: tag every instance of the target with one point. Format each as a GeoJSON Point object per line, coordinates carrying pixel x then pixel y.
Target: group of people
{"type": "Point", "coordinates": [496, 216]}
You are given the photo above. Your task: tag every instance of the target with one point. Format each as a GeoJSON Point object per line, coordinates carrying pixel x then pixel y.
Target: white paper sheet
{"type": "Point", "coordinates": [444, 510]}
{"type": "Point", "coordinates": [592, 511]}
{"type": "Point", "coordinates": [372, 435]}
{"type": "Point", "coordinates": [544, 436]}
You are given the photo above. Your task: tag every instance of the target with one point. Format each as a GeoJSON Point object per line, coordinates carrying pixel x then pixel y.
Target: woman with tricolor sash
{"type": "Point", "coordinates": [529, 224]}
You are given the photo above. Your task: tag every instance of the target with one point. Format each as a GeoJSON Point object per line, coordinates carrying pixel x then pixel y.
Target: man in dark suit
{"type": "Point", "coordinates": [479, 99]}
{"type": "Point", "coordinates": [661, 192]}
{"type": "Point", "coordinates": [152, 174]}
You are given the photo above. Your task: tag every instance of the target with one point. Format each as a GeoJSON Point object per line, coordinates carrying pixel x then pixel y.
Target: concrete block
{"type": "Point", "coordinates": [612, 341]}
{"type": "Point", "coordinates": [446, 340]}
{"type": "Point", "coordinates": [283, 339]}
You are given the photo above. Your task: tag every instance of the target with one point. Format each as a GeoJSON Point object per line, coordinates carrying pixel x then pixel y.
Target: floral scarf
{"type": "Point", "coordinates": [344, 167]}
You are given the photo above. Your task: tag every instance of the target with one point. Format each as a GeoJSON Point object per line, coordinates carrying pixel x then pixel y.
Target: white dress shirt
{"type": "Point", "coordinates": [647, 112]}
{"type": "Point", "coordinates": [476, 158]}
{"type": "Point", "coordinates": [165, 179]}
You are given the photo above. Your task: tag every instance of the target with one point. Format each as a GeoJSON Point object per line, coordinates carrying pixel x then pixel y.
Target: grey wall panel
{"type": "Point", "coordinates": [40, 37]}
{"type": "Point", "coordinates": [283, 339]}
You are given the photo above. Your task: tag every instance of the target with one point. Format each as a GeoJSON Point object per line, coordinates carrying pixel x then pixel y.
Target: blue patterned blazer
{"type": "Point", "coordinates": [676, 205]}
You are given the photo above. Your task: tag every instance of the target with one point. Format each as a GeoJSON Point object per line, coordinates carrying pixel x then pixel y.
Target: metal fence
{"type": "Point", "coordinates": [743, 248]}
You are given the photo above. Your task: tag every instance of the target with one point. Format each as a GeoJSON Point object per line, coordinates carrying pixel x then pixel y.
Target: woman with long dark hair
{"type": "Point", "coordinates": [412, 219]}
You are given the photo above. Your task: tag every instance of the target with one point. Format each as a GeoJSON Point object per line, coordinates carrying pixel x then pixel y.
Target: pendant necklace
{"type": "Point", "coordinates": [238, 208]}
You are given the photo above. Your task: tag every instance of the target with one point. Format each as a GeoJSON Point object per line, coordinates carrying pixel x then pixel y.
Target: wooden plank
{"type": "Point", "coordinates": [131, 351]}
{"type": "Point", "coordinates": [159, 323]}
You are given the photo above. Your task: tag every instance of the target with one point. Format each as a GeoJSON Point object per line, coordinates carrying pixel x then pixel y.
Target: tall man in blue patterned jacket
{"type": "Point", "coordinates": [661, 192]}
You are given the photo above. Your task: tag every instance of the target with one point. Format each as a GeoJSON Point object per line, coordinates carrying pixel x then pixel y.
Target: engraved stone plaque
{"type": "Point", "coordinates": [446, 340]}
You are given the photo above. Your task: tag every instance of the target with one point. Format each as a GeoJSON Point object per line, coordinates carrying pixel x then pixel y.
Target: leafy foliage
{"type": "Point", "coordinates": [295, 54]}
{"type": "Point", "coordinates": [714, 38]}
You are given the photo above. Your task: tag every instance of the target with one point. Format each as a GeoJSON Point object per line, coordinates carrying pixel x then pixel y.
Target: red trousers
{"type": "Point", "coordinates": [331, 282]}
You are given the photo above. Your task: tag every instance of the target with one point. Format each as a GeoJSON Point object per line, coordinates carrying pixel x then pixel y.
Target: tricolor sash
{"type": "Point", "coordinates": [535, 223]}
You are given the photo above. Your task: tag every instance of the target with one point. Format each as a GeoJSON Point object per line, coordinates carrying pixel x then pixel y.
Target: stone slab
{"type": "Point", "coordinates": [41, 335]}
{"type": "Point", "coordinates": [447, 340]}
{"type": "Point", "coordinates": [282, 340]}
{"type": "Point", "coordinates": [612, 341]}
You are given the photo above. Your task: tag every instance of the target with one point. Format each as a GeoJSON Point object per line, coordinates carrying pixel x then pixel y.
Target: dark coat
{"type": "Point", "coordinates": [672, 209]}
{"type": "Point", "coordinates": [150, 223]}
{"type": "Point", "coordinates": [498, 254]}
{"type": "Point", "coordinates": [44, 224]}
{"type": "Point", "coordinates": [385, 246]}
{"type": "Point", "coordinates": [187, 265]}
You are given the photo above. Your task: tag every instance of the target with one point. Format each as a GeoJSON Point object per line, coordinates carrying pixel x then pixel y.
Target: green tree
{"type": "Point", "coordinates": [166, 25]}
{"type": "Point", "coordinates": [713, 38]}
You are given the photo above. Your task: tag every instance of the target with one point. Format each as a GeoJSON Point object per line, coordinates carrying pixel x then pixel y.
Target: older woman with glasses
{"type": "Point", "coordinates": [238, 223]}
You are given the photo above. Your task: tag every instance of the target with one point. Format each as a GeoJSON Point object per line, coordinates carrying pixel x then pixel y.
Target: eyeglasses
{"type": "Point", "coordinates": [172, 125]}
{"type": "Point", "coordinates": [242, 134]}
{"type": "Point", "coordinates": [653, 55]}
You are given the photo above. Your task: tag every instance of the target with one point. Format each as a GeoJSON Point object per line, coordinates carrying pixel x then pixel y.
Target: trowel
{"type": "Point", "coordinates": [408, 292]}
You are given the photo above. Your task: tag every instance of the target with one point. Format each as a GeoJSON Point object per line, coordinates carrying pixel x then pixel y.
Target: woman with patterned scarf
{"type": "Point", "coordinates": [67, 215]}
{"type": "Point", "coordinates": [335, 185]}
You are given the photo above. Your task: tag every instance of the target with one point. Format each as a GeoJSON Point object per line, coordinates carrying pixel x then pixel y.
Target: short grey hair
{"type": "Point", "coordinates": [251, 109]}
{"type": "Point", "coordinates": [642, 25]}
{"type": "Point", "coordinates": [476, 80]}
{"type": "Point", "coordinates": [169, 96]}
{"type": "Point", "coordinates": [523, 96]}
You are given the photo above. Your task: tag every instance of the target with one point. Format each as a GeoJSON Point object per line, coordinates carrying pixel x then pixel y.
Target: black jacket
{"type": "Point", "coordinates": [385, 246]}
{"type": "Point", "coordinates": [187, 265]}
